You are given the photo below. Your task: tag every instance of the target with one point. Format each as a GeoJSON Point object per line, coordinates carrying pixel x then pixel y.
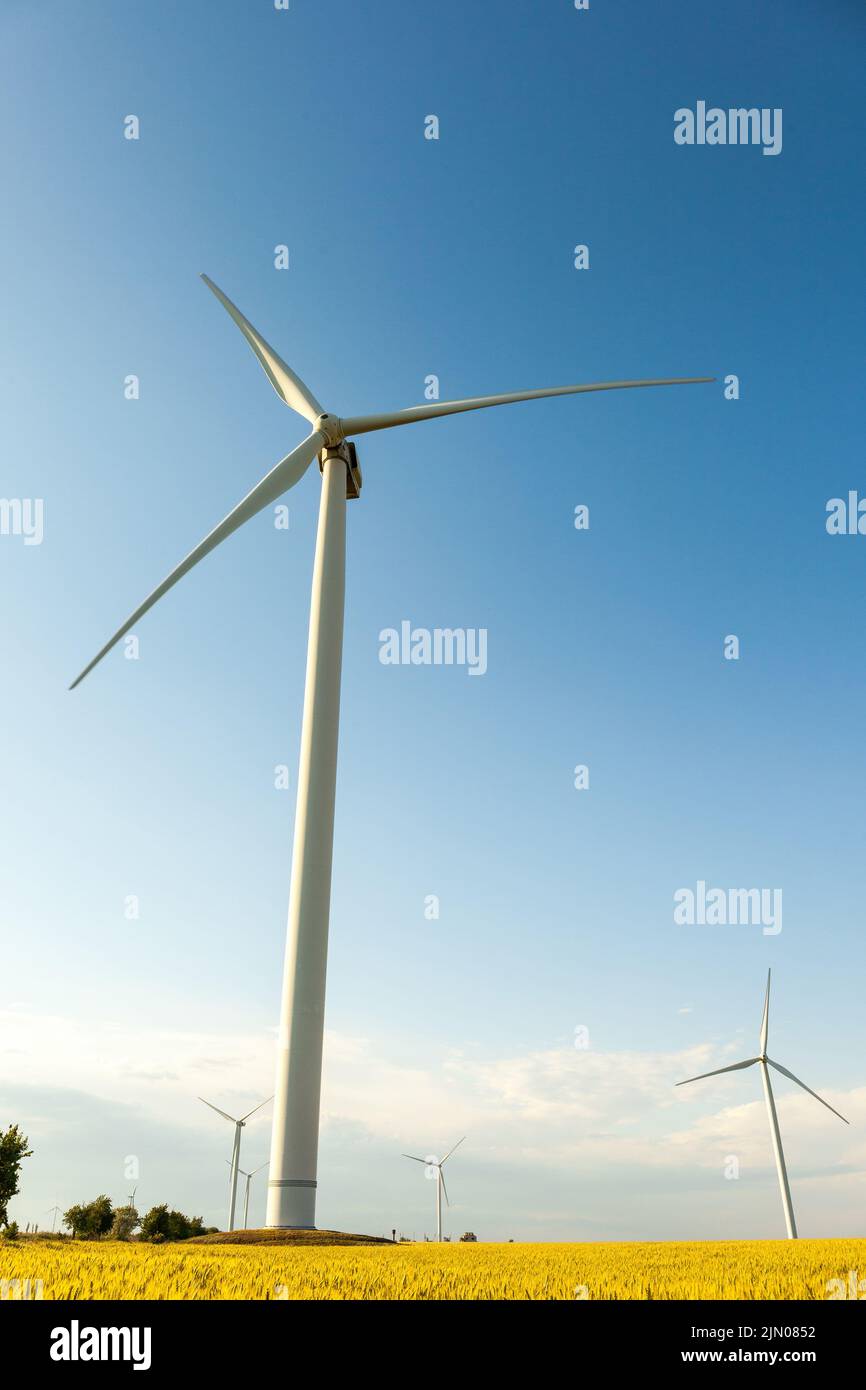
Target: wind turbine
{"type": "Point", "coordinates": [53, 1213]}
{"type": "Point", "coordinates": [236, 1150]}
{"type": "Point", "coordinates": [294, 1143]}
{"type": "Point", "coordinates": [436, 1165]}
{"type": "Point", "coordinates": [249, 1177]}
{"type": "Point", "coordinates": [763, 1061]}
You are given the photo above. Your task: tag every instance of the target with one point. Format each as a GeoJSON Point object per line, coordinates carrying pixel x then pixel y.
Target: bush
{"type": "Point", "coordinates": [468, 1235]}
{"type": "Point", "coordinates": [160, 1224]}
{"type": "Point", "coordinates": [90, 1220]}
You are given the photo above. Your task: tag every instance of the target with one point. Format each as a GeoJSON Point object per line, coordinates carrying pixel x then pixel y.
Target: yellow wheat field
{"type": "Point", "coordinates": [734, 1269]}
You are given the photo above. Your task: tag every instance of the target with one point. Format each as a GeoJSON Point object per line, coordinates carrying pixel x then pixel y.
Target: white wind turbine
{"type": "Point", "coordinates": [435, 1165]}
{"type": "Point", "coordinates": [763, 1061]}
{"type": "Point", "coordinates": [249, 1177]}
{"type": "Point", "coordinates": [294, 1144]}
{"type": "Point", "coordinates": [236, 1151]}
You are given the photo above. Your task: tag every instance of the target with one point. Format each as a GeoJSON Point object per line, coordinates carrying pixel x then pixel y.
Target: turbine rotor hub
{"type": "Point", "coordinates": [330, 427]}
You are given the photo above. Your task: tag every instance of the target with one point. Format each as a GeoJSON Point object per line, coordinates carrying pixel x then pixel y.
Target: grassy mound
{"type": "Point", "coordinates": [274, 1237]}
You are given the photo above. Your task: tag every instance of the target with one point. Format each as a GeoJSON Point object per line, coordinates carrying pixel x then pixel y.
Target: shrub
{"type": "Point", "coordinates": [161, 1224]}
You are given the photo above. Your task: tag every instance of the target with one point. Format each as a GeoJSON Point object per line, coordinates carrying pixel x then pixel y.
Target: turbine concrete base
{"type": "Point", "coordinates": [273, 1236]}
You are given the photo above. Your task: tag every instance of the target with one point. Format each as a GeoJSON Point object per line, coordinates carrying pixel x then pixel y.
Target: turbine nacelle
{"type": "Point", "coordinates": [348, 455]}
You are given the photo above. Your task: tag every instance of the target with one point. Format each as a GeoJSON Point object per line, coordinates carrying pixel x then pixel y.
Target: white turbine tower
{"type": "Point", "coordinates": [435, 1165]}
{"type": "Point", "coordinates": [249, 1177]}
{"type": "Point", "coordinates": [294, 1145]}
{"type": "Point", "coordinates": [236, 1151]}
{"type": "Point", "coordinates": [763, 1061]}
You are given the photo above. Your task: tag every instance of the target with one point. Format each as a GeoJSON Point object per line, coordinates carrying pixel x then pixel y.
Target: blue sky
{"type": "Point", "coordinates": [455, 257]}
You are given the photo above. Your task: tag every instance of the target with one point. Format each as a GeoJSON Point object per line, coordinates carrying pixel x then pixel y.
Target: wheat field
{"type": "Point", "coordinates": [674, 1270]}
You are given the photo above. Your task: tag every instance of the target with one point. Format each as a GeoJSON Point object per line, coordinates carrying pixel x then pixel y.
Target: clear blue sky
{"type": "Point", "coordinates": [155, 778]}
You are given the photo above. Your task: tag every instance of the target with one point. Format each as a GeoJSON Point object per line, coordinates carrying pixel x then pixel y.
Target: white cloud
{"type": "Point", "coordinates": [556, 1111]}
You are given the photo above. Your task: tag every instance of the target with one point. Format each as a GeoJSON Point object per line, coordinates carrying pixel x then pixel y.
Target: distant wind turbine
{"type": "Point", "coordinates": [236, 1150]}
{"type": "Point", "coordinates": [249, 1177]}
{"type": "Point", "coordinates": [763, 1061]}
{"type": "Point", "coordinates": [295, 1134]}
{"type": "Point", "coordinates": [436, 1165]}
{"type": "Point", "coordinates": [53, 1213]}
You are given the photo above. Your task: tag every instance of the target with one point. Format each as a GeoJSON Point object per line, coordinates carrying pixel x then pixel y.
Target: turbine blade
{"type": "Point", "coordinates": [792, 1077]}
{"type": "Point", "coordinates": [240, 1170]}
{"type": "Point", "coordinates": [450, 1151]}
{"type": "Point", "coordinates": [284, 381]}
{"type": "Point", "coordinates": [287, 472]}
{"type": "Point", "coordinates": [362, 424]}
{"type": "Point", "coordinates": [414, 1158]}
{"type": "Point", "coordinates": [442, 1180]}
{"type": "Point", "coordinates": [230, 1118]}
{"type": "Point", "coordinates": [255, 1108]}
{"type": "Point", "coordinates": [765, 1021]}
{"type": "Point", "coordinates": [259, 1169]}
{"type": "Point", "coordinates": [737, 1066]}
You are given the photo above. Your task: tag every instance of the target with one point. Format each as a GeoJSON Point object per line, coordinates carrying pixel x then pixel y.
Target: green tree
{"type": "Point", "coordinates": [125, 1221]}
{"type": "Point", "coordinates": [91, 1219]}
{"type": "Point", "coordinates": [13, 1150]}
